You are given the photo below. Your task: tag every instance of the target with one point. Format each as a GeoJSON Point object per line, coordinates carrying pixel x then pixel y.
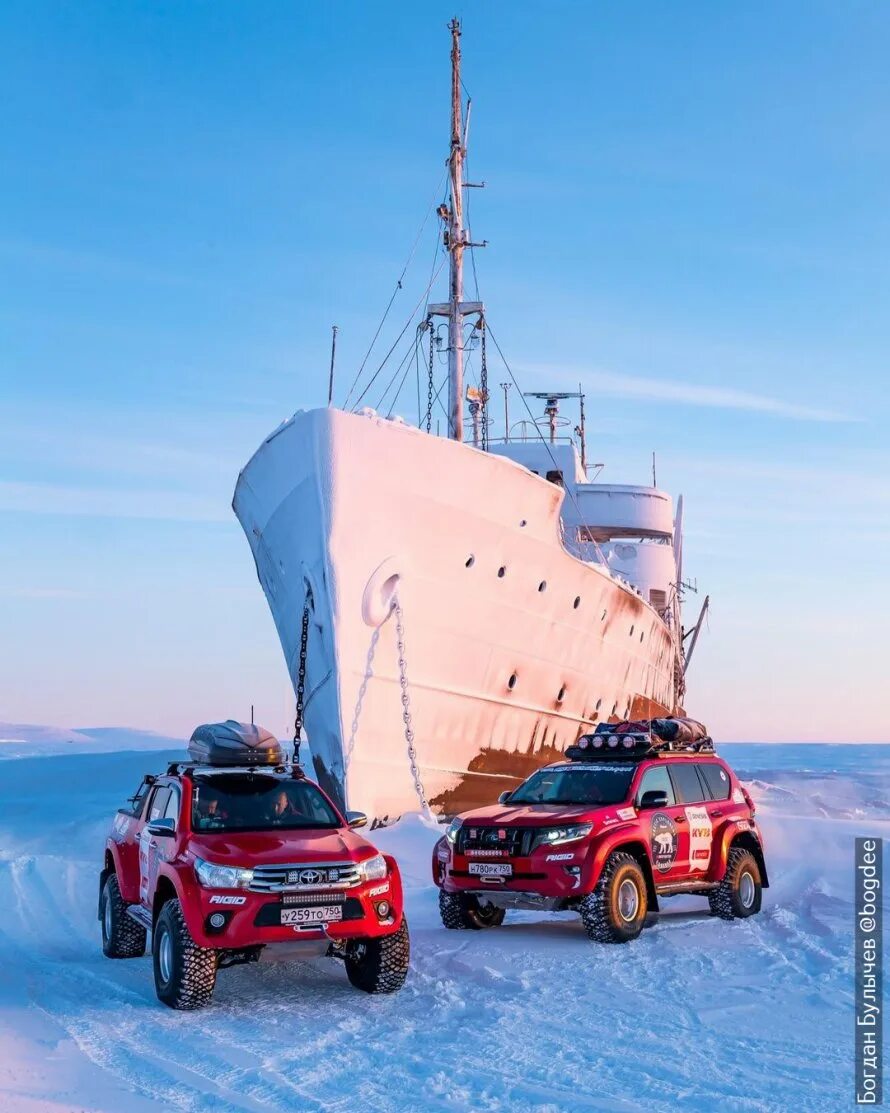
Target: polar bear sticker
{"type": "Point", "coordinates": [663, 842]}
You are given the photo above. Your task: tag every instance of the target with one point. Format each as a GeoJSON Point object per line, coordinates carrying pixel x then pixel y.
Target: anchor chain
{"type": "Point", "coordinates": [429, 384]}
{"type": "Point", "coordinates": [483, 384]}
{"type": "Point", "coordinates": [406, 708]}
{"type": "Point", "coordinates": [301, 678]}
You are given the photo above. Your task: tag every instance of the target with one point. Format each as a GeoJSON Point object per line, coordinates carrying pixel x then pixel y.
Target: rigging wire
{"type": "Point", "coordinates": [395, 343]}
{"type": "Point", "coordinates": [405, 361]}
{"type": "Point", "coordinates": [398, 287]}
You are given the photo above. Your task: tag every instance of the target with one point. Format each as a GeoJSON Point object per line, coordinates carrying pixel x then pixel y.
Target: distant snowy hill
{"type": "Point", "coordinates": [32, 740]}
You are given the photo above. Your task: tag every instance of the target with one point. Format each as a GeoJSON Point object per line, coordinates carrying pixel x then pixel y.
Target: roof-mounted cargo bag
{"type": "Point", "coordinates": [233, 743]}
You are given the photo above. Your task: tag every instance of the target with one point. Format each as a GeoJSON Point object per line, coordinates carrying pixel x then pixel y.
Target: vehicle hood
{"type": "Point", "coordinates": [534, 815]}
{"type": "Point", "coordinates": [254, 848]}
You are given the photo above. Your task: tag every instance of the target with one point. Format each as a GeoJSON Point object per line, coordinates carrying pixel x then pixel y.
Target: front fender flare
{"type": "Point", "coordinates": [624, 837]}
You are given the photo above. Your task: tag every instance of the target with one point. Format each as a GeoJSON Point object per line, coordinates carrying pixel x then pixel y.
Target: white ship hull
{"type": "Point", "coordinates": [505, 669]}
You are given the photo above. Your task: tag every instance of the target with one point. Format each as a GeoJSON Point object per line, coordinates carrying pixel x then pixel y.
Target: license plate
{"type": "Point", "coordinates": [491, 869]}
{"type": "Point", "coordinates": [320, 914]}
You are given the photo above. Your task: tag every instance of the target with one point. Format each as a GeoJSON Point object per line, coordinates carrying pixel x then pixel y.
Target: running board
{"type": "Point", "coordinates": [141, 915]}
{"type": "Point", "coordinates": [678, 888]}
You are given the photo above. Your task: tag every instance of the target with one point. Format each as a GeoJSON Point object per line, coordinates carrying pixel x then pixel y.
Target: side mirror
{"type": "Point", "coordinates": [655, 798]}
{"type": "Point", "coordinates": [356, 819]}
{"type": "Point", "coordinates": [163, 828]}
{"type": "Point", "coordinates": [504, 797]}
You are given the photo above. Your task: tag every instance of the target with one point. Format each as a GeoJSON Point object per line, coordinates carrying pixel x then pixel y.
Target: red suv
{"type": "Point", "coordinates": [630, 819]}
{"type": "Point", "coordinates": [236, 857]}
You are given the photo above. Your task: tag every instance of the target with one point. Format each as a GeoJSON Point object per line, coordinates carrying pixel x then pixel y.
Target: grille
{"type": "Point", "coordinates": [516, 842]}
{"type": "Point", "coordinates": [304, 876]}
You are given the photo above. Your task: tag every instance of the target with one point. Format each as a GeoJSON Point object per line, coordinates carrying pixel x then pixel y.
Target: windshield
{"type": "Point", "coordinates": [251, 802]}
{"type": "Point", "coordinates": [577, 784]}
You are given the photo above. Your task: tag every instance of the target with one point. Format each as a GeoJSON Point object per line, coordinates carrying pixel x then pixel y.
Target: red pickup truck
{"type": "Point", "coordinates": [236, 857]}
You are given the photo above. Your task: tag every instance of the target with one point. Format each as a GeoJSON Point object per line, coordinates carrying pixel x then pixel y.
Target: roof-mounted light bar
{"type": "Point", "coordinates": [642, 738]}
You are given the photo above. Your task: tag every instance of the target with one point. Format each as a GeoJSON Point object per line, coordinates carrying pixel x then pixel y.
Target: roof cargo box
{"type": "Point", "coordinates": [232, 743]}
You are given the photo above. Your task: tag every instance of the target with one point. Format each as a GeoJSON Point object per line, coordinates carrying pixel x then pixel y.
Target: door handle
{"type": "Point", "coordinates": [679, 819]}
{"type": "Point", "coordinates": [716, 814]}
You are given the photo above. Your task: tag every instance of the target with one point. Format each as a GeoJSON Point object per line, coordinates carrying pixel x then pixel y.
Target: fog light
{"type": "Point", "coordinates": [217, 920]}
{"type": "Point", "coordinates": [382, 909]}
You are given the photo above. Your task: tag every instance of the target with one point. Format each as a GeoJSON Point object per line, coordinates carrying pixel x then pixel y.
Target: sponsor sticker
{"type": "Point", "coordinates": [663, 841]}
{"type": "Point", "coordinates": [559, 857]}
{"type": "Point", "coordinates": [738, 797]}
{"type": "Point", "coordinates": [227, 900]}
{"type": "Point", "coordinates": [378, 889]}
{"type": "Point", "coordinates": [701, 833]}
{"type": "Point", "coordinates": [627, 813]}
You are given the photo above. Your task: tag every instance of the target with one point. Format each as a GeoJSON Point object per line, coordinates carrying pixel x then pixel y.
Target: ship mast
{"type": "Point", "coordinates": [456, 247]}
{"type": "Point", "coordinates": [455, 239]}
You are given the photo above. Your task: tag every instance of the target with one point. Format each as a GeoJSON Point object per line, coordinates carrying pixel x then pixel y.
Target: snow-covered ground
{"type": "Point", "coordinates": [697, 1014]}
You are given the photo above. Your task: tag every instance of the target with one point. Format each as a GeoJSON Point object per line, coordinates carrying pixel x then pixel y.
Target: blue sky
{"type": "Point", "coordinates": [686, 209]}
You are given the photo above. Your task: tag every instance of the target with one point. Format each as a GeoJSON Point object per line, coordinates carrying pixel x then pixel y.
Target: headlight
{"type": "Point", "coordinates": [453, 827]}
{"type": "Point", "coordinates": [373, 869]}
{"type": "Point", "coordinates": [553, 836]}
{"type": "Point", "coordinates": [222, 877]}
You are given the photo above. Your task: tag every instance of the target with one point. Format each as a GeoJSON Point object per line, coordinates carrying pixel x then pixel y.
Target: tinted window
{"type": "Point", "coordinates": [172, 809]}
{"type": "Point", "coordinates": [137, 800]}
{"type": "Point", "coordinates": [686, 783]}
{"type": "Point", "coordinates": [158, 804]}
{"type": "Point", "coordinates": [656, 779]}
{"type": "Point", "coordinates": [253, 802]}
{"type": "Point", "coordinates": [717, 780]}
{"type": "Point", "coordinates": [576, 784]}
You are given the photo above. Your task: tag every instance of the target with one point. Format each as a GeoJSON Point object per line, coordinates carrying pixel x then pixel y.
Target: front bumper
{"type": "Point", "coordinates": [556, 873]}
{"type": "Point", "coordinates": [251, 918]}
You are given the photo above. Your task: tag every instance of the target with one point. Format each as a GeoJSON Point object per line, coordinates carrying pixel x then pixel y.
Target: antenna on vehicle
{"type": "Point", "coordinates": [251, 716]}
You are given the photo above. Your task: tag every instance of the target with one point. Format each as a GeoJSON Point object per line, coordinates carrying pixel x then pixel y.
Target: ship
{"type": "Point", "coordinates": [456, 609]}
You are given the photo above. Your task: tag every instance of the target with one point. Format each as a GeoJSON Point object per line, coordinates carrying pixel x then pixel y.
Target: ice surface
{"type": "Point", "coordinates": [696, 1015]}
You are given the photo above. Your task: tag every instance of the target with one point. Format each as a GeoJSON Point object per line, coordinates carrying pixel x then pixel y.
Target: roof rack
{"type": "Point", "coordinates": [188, 768]}
{"type": "Point", "coordinates": [634, 740]}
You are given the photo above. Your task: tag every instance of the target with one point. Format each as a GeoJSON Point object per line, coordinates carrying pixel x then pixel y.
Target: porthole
{"type": "Point", "coordinates": [502, 571]}
{"type": "Point", "coordinates": [599, 704]}
{"type": "Point", "coordinates": [511, 683]}
{"type": "Point", "coordinates": [470, 561]}
{"type": "Point", "coordinates": [542, 586]}
{"type": "Point", "coordinates": [603, 616]}
{"type": "Point", "coordinates": [561, 694]}
{"type": "Point", "coordinates": [577, 602]}
{"type": "Point", "coordinates": [642, 635]}
{"type": "Point", "coordinates": [614, 710]}
{"type": "Point", "coordinates": [631, 632]}
{"type": "Point", "coordinates": [523, 524]}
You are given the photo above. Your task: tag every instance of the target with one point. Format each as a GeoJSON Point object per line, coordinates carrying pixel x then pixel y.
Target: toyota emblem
{"type": "Point", "coordinates": [311, 877]}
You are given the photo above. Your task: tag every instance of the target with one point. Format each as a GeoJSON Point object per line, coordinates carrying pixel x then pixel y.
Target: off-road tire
{"type": "Point", "coordinates": [728, 901]}
{"type": "Point", "coordinates": [463, 911]}
{"type": "Point", "coordinates": [600, 910]}
{"type": "Point", "coordinates": [122, 937]}
{"type": "Point", "coordinates": [192, 973]}
{"type": "Point", "coordinates": [379, 965]}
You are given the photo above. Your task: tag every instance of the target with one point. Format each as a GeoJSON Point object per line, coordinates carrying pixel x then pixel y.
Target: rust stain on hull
{"type": "Point", "coordinates": [493, 771]}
